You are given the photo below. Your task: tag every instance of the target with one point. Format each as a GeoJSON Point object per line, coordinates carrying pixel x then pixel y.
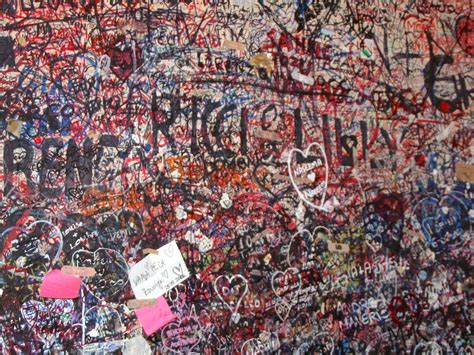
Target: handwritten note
{"type": "Point", "coordinates": [158, 273]}
{"type": "Point", "coordinates": [59, 285]}
{"type": "Point", "coordinates": [155, 317]}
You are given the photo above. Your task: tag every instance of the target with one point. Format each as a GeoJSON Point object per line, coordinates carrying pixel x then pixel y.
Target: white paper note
{"type": "Point", "coordinates": [302, 78]}
{"type": "Point", "coordinates": [156, 274]}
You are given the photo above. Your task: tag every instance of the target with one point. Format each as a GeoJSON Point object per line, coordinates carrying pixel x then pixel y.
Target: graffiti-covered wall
{"type": "Point", "coordinates": [236, 176]}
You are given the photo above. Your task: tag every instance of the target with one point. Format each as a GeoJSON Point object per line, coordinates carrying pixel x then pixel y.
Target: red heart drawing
{"type": "Point", "coordinates": [124, 60]}
{"type": "Point", "coordinates": [464, 29]}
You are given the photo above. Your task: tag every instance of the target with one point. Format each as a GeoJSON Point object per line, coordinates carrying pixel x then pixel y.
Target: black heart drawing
{"type": "Point", "coordinates": [275, 183]}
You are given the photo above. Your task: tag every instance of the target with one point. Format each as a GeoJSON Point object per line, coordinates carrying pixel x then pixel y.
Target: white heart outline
{"type": "Point", "coordinates": [229, 279]}
{"type": "Point", "coordinates": [284, 301]}
{"type": "Point", "coordinates": [423, 344]}
{"type": "Point", "coordinates": [258, 342]}
{"type": "Point", "coordinates": [93, 253]}
{"type": "Point", "coordinates": [290, 171]}
{"type": "Point", "coordinates": [99, 308]}
{"type": "Point", "coordinates": [47, 308]}
{"type": "Point", "coordinates": [278, 272]}
{"type": "Point", "coordinates": [25, 229]}
{"type": "Point", "coordinates": [283, 316]}
{"type": "Point", "coordinates": [317, 335]}
{"type": "Point", "coordinates": [178, 323]}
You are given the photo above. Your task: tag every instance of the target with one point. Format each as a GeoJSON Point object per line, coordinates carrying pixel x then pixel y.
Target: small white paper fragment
{"type": "Point", "coordinates": [131, 346]}
{"type": "Point", "coordinates": [243, 3]}
{"type": "Point", "coordinates": [302, 78]}
{"type": "Point", "coordinates": [156, 274]}
{"type": "Point", "coordinates": [136, 345]}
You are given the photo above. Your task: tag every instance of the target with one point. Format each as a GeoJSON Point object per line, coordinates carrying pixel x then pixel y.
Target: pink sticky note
{"type": "Point", "coordinates": [59, 285]}
{"type": "Point", "coordinates": [155, 317]}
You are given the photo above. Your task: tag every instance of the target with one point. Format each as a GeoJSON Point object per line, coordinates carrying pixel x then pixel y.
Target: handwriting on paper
{"type": "Point", "coordinates": [157, 274]}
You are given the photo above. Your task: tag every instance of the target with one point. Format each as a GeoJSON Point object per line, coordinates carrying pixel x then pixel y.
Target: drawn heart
{"type": "Point", "coordinates": [33, 247]}
{"type": "Point", "coordinates": [58, 315]}
{"type": "Point", "coordinates": [231, 291]}
{"type": "Point", "coordinates": [177, 293]}
{"type": "Point", "coordinates": [182, 336]}
{"type": "Point", "coordinates": [430, 347]}
{"type": "Point", "coordinates": [169, 250]}
{"type": "Point", "coordinates": [178, 271]}
{"type": "Point", "coordinates": [443, 221]}
{"type": "Point", "coordinates": [37, 314]}
{"type": "Point", "coordinates": [405, 310]}
{"type": "Point", "coordinates": [124, 60]}
{"type": "Point", "coordinates": [300, 249]}
{"type": "Point", "coordinates": [272, 179]}
{"type": "Point", "coordinates": [282, 310]}
{"type": "Point", "coordinates": [322, 343]}
{"type": "Point", "coordinates": [305, 249]}
{"type": "Point", "coordinates": [464, 29]}
{"type": "Point", "coordinates": [110, 267]}
{"type": "Point", "coordinates": [390, 208]}
{"type": "Point", "coordinates": [286, 285]}
{"type": "Point", "coordinates": [252, 346]}
{"type": "Point", "coordinates": [309, 173]}
{"type": "Point", "coordinates": [102, 322]}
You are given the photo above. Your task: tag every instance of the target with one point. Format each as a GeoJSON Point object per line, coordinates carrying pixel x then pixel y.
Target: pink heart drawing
{"type": "Point", "coordinates": [309, 173]}
{"type": "Point", "coordinates": [182, 336]}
